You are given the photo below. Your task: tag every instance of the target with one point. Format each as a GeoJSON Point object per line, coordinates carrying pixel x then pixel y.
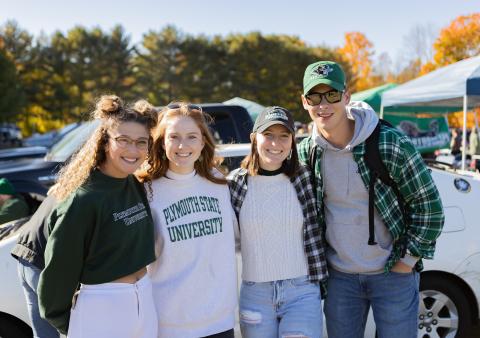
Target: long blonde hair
{"type": "Point", "coordinates": [158, 162]}
{"type": "Point", "coordinates": [111, 112]}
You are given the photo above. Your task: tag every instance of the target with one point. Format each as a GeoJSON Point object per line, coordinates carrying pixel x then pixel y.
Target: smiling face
{"type": "Point", "coordinates": [329, 118]}
{"type": "Point", "coordinates": [273, 146]}
{"type": "Point", "coordinates": [123, 159]}
{"type": "Point", "coordinates": [183, 144]}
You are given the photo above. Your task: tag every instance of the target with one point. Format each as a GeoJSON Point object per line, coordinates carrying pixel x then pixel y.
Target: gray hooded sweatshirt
{"type": "Point", "coordinates": [346, 202]}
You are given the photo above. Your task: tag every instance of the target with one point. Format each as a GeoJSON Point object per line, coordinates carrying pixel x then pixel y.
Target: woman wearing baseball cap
{"type": "Point", "coordinates": [282, 247]}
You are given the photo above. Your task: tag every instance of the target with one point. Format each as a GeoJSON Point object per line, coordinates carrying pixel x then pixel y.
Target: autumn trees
{"type": "Point", "coordinates": [357, 52]}
{"type": "Point", "coordinates": [457, 41]}
{"type": "Point", "coordinates": [47, 81]}
{"type": "Point", "coordinates": [59, 76]}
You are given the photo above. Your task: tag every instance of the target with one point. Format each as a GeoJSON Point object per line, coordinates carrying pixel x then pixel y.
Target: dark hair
{"type": "Point", "coordinates": [252, 161]}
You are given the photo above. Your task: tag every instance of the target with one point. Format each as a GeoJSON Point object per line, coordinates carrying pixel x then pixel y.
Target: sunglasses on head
{"type": "Point", "coordinates": [332, 96]}
{"type": "Point", "coordinates": [190, 106]}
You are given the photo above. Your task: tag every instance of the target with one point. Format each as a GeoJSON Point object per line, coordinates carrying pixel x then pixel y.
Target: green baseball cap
{"type": "Point", "coordinates": [327, 72]}
{"type": "Point", "coordinates": [6, 188]}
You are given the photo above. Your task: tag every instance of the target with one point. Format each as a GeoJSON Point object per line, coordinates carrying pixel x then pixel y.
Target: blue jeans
{"type": "Point", "coordinates": [29, 275]}
{"type": "Point", "coordinates": [283, 308]}
{"type": "Point", "coordinates": [394, 298]}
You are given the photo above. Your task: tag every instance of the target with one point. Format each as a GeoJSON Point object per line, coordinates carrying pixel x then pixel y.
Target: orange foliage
{"type": "Point", "coordinates": [427, 68]}
{"type": "Point", "coordinates": [357, 52]}
{"type": "Point", "coordinates": [455, 120]}
{"type": "Point", "coordinates": [458, 41]}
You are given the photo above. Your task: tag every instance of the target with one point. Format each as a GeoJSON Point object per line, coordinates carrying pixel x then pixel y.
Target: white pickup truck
{"type": "Point", "coordinates": [450, 284]}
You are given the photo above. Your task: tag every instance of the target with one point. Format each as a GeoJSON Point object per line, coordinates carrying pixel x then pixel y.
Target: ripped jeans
{"type": "Point", "coordinates": [289, 308]}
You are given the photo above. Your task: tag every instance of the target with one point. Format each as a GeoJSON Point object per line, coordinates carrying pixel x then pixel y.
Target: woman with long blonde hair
{"type": "Point", "coordinates": [101, 232]}
{"type": "Point", "coordinates": [194, 276]}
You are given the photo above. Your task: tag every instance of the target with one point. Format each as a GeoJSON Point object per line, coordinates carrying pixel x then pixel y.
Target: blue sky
{"type": "Point", "coordinates": [385, 23]}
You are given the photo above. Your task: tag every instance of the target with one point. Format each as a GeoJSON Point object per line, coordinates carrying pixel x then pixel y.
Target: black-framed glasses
{"type": "Point", "coordinates": [332, 96]}
{"type": "Point", "coordinates": [191, 106]}
{"type": "Point", "coordinates": [124, 141]}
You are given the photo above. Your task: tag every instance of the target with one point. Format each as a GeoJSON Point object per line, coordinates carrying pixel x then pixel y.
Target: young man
{"type": "Point", "coordinates": [375, 267]}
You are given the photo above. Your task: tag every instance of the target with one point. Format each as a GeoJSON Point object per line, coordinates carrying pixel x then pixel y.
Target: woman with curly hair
{"type": "Point", "coordinates": [194, 276]}
{"type": "Point", "coordinates": [101, 232]}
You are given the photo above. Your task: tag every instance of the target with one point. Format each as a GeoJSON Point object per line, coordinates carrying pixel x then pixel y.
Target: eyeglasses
{"type": "Point", "coordinates": [332, 96]}
{"type": "Point", "coordinates": [125, 141]}
{"type": "Point", "coordinates": [190, 106]}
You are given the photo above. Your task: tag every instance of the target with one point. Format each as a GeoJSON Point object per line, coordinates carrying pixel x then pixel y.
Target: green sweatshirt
{"type": "Point", "coordinates": [102, 232]}
{"type": "Point", "coordinates": [13, 208]}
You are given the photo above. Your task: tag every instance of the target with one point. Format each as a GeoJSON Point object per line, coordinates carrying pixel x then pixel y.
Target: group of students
{"type": "Point", "coordinates": [137, 238]}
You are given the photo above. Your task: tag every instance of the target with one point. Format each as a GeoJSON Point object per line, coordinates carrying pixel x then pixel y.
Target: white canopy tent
{"type": "Point", "coordinates": [451, 88]}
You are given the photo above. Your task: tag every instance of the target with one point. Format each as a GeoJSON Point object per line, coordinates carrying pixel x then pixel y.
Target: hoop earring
{"type": "Point", "coordinates": [289, 157]}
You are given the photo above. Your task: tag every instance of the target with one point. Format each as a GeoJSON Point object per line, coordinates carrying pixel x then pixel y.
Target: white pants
{"type": "Point", "coordinates": [114, 310]}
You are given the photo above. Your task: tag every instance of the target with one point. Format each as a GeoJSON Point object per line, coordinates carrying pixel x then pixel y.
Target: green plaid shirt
{"type": "Point", "coordinates": [425, 218]}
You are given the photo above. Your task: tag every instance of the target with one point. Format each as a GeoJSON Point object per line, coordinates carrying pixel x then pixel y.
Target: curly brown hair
{"type": "Point", "coordinates": [158, 162]}
{"type": "Point", "coordinates": [111, 112]}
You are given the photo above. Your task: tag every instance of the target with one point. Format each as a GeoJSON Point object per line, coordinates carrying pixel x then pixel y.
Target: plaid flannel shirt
{"type": "Point", "coordinates": [425, 217]}
{"type": "Point", "coordinates": [313, 233]}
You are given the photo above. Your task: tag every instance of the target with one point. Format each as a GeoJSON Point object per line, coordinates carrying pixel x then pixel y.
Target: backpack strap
{"type": "Point", "coordinates": [312, 159]}
{"type": "Point", "coordinates": [378, 169]}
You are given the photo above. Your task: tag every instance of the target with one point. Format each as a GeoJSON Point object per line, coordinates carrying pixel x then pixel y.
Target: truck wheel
{"type": "Point", "coordinates": [444, 309]}
{"type": "Point", "coordinates": [11, 327]}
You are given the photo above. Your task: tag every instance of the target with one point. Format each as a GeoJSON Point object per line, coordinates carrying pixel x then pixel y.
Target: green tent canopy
{"type": "Point", "coordinates": [426, 133]}
{"type": "Point", "coordinates": [373, 96]}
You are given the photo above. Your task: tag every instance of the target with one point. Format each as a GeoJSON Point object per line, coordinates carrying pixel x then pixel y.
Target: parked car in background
{"type": "Point", "coordinates": [31, 150]}
{"type": "Point", "coordinates": [450, 283]}
{"type": "Point", "coordinates": [35, 176]}
{"type": "Point", "coordinates": [50, 138]}
{"type": "Point", "coordinates": [10, 135]}
{"type": "Point", "coordinates": [22, 152]}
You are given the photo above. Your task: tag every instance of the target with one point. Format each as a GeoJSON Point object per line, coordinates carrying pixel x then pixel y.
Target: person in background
{"type": "Point", "coordinates": [474, 147]}
{"type": "Point", "coordinates": [12, 205]}
{"type": "Point", "coordinates": [456, 143]}
{"type": "Point", "coordinates": [29, 252]}
{"type": "Point", "coordinates": [374, 255]}
{"type": "Point", "coordinates": [282, 246]}
{"type": "Point", "coordinates": [101, 235]}
{"type": "Point", "coordinates": [473, 142]}
{"type": "Point", "coordinates": [194, 277]}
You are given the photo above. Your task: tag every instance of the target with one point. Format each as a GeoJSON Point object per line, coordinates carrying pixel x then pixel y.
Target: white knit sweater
{"type": "Point", "coordinates": [271, 231]}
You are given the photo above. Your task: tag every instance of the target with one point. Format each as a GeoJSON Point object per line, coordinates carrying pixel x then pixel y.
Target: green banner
{"type": "Point", "coordinates": [427, 134]}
